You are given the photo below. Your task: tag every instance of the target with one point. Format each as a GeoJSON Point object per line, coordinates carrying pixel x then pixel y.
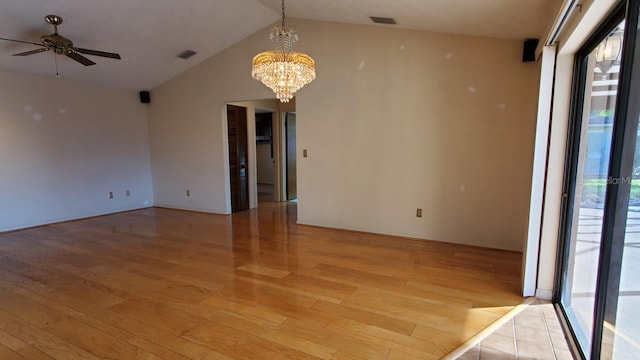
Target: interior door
{"type": "Point", "coordinates": [238, 157]}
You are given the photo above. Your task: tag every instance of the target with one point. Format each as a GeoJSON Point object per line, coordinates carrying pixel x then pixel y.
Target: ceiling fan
{"type": "Point", "coordinates": [61, 45]}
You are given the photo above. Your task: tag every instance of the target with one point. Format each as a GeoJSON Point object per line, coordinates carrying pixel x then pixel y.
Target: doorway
{"type": "Point", "coordinates": [238, 157]}
{"type": "Point", "coordinates": [290, 155]}
{"type": "Point", "coordinates": [267, 166]}
{"type": "Point", "coordinates": [265, 161]}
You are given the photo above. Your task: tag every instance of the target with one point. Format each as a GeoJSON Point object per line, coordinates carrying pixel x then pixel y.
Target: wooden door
{"type": "Point", "coordinates": [238, 157]}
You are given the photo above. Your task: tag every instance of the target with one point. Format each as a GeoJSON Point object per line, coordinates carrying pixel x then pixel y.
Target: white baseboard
{"type": "Point", "coordinates": [544, 294]}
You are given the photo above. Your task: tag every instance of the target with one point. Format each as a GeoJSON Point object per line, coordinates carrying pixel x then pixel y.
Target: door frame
{"type": "Point", "coordinates": [278, 148]}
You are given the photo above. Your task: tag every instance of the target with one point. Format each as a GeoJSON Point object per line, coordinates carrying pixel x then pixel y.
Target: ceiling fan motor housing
{"type": "Point", "coordinates": [59, 44]}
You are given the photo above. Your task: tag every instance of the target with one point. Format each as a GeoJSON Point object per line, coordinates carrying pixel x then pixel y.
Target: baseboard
{"type": "Point", "coordinates": [70, 219]}
{"type": "Point", "coordinates": [163, 206]}
{"type": "Point", "coordinates": [544, 294]}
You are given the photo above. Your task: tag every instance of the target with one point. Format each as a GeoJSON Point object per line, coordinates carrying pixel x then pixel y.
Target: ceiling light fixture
{"type": "Point", "coordinates": [185, 54]}
{"type": "Point", "coordinates": [383, 20]}
{"type": "Point", "coordinates": [283, 70]}
{"type": "Point", "coordinates": [608, 52]}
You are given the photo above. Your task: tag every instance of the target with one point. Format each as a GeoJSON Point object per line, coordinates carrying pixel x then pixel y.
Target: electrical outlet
{"type": "Point", "coordinates": [418, 212]}
{"type": "Point", "coordinates": [110, 194]}
{"type": "Point", "coordinates": [188, 192]}
{"type": "Point", "coordinates": [128, 193]}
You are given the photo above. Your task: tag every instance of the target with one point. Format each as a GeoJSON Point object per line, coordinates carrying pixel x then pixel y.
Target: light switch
{"type": "Point", "coordinates": [304, 153]}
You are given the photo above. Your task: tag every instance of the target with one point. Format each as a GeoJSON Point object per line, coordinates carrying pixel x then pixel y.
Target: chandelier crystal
{"type": "Point", "coordinates": [283, 70]}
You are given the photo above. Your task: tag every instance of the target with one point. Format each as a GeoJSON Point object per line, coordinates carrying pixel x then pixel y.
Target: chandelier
{"type": "Point", "coordinates": [283, 70]}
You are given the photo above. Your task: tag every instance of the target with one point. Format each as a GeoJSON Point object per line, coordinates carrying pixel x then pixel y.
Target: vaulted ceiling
{"type": "Point", "coordinates": [149, 34]}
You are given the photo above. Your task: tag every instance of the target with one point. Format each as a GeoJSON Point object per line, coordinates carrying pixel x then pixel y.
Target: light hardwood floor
{"type": "Point", "coordinates": [168, 284]}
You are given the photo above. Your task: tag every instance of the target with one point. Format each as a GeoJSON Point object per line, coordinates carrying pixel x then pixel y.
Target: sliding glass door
{"type": "Point", "coordinates": [599, 282]}
{"type": "Point", "coordinates": [590, 180]}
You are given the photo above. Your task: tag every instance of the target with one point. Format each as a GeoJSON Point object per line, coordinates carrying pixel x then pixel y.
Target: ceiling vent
{"type": "Point", "coordinates": [383, 20]}
{"type": "Point", "coordinates": [186, 54]}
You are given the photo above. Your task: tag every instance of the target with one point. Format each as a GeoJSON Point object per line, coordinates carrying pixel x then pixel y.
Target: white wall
{"type": "Point", "coordinates": [396, 120]}
{"type": "Point", "coordinates": [64, 146]}
{"type": "Point", "coordinates": [264, 163]}
{"type": "Point", "coordinates": [403, 120]}
{"type": "Point", "coordinates": [188, 130]}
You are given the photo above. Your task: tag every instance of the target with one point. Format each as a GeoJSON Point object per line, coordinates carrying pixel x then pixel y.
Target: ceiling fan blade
{"type": "Point", "coordinates": [20, 41]}
{"type": "Point", "coordinates": [98, 53]}
{"type": "Point", "coordinates": [31, 52]}
{"type": "Point", "coordinates": [79, 58]}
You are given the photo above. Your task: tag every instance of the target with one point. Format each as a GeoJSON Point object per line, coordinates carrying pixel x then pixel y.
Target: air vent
{"type": "Point", "coordinates": [186, 54]}
{"type": "Point", "coordinates": [383, 20]}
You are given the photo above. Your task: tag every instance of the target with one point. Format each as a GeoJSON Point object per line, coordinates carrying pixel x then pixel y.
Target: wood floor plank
{"type": "Point", "coordinates": [32, 353]}
{"type": "Point", "coordinates": [216, 303]}
{"type": "Point", "coordinates": [154, 313]}
{"type": "Point", "coordinates": [92, 340]}
{"type": "Point", "coordinates": [319, 332]}
{"type": "Point", "coordinates": [346, 356]}
{"type": "Point", "coordinates": [44, 341]}
{"type": "Point", "coordinates": [169, 284]}
{"type": "Point", "coordinates": [241, 345]}
{"type": "Point", "coordinates": [366, 317]}
{"type": "Point", "coordinates": [11, 342]}
{"type": "Point", "coordinates": [66, 283]}
{"type": "Point", "coordinates": [148, 337]}
{"type": "Point", "coordinates": [264, 270]}
{"type": "Point", "coordinates": [106, 328]}
{"type": "Point", "coordinates": [284, 301]}
{"type": "Point", "coordinates": [150, 333]}
{"type": "Point", "coordinates": [272, 333]}
{"type": "Point", "coordinates": [127, 282]}
{"type": "Point", "coordinates": [311, 292]}
{"type": "Point", "coordinates": [8, 354]}
{"type": "Point", "coordinates": [217, 356]}
{"type": "Point", "coordinates": [28, 310]}
{"type": "Point", "coordinates": [409, 345]}
{"type": "Point", "coordinates": [396, 354]}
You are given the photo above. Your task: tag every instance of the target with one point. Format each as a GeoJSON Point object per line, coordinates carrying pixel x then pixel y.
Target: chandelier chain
{"type": "Point", "coordinates": [283, 14]}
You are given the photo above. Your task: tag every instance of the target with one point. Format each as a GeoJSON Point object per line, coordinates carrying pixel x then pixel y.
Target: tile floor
{"type": "Point", "coordinates": [533, 333]}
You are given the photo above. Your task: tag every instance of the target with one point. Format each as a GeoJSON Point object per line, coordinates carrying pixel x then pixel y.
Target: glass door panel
{"type": "Point", "coordinates": [621, 328]}
{"type": "Point", "coordinates": [591, 178]}
{"type": "Point", "coordinates": [621, 323]}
